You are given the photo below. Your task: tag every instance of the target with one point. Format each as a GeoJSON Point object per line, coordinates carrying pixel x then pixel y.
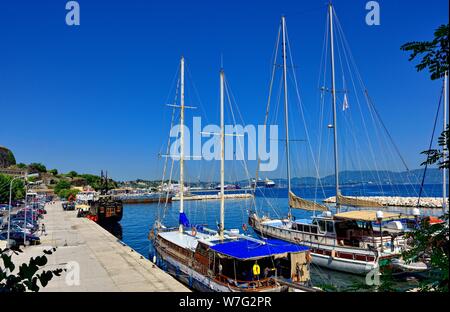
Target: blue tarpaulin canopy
{"type": "Point", "coordinates": [244, 249]}
{"type": "Point", "coordinates": [184, 220]}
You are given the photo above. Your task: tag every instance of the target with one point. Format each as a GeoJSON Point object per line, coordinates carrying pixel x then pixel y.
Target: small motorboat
{"type": "Point", "coordinates": [402, 266]}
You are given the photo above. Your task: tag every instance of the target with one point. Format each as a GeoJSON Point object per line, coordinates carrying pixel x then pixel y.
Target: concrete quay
{"type": "Point", "coordinates": [105, 263]}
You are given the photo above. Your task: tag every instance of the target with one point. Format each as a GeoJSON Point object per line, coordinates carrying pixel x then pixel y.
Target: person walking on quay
{"type": "Point", "coordinates": [43, 229]}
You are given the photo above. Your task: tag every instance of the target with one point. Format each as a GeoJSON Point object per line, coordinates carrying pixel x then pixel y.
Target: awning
{"type": "Point", "coordinates": [368, 215]}
{"type": "Point", "coordinates": [244, 249]}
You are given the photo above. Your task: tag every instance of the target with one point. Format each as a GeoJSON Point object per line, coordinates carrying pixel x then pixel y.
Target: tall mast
{"type": "Point", "coordinates": [222, 156]}
{"type": "Point", "coordinates": [444, 151]}
{"type": "Point", "coordinates": [333, 96]}
{"type": "Point", "coordinates": [182, 140]}
{"type": "Point", "coordinates": [286, 113]}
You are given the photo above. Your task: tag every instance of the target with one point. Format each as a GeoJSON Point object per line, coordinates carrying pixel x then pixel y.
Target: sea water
{"type": "Point", "coordinates": [138, 219]}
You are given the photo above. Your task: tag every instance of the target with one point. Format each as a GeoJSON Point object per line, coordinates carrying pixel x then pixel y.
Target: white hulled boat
{"type": "Point", "coordinates": [356, 241]}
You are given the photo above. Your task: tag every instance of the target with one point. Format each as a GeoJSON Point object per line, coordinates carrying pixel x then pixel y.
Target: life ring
{"type": "Point", "coordinates": [308, 257]}
{"type": "Point", "coordinates": [194, 231]}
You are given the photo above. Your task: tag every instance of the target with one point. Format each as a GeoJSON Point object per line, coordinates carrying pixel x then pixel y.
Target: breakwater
{"type": "Point", "coordinates": [398, 201]}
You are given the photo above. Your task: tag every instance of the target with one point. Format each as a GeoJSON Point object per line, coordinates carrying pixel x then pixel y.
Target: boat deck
{"type": "Point", "coordinates": [184, 240]}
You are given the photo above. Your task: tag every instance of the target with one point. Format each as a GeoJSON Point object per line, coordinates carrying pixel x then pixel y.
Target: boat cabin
{"type": "Point", "coordinates": [353, 228]}
{"type": "Point", "coordinates": [242, 263]}
{"type": "Point", "coordinates": [363, 228]}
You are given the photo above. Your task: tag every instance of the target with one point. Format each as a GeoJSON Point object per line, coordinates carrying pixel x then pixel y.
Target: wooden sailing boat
{"type": "Point", "coordinates": [209, 260]}
{"type": "Point", "coordinates": [349, 242]}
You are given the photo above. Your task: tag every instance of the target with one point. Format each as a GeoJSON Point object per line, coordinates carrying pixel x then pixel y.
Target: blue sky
{"type": "Point", "coordinates": [92, 97]}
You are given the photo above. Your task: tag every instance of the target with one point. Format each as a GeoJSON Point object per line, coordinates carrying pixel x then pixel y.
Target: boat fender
{"type": "Point", "coordinates": [333, 254]}
{"type": "Point", "coordinates": [194, 231]}
{"type": "Point", "coordinates": [256, 269]}
{"type": "Point", "coordinates": [244, 227]}
{"type": "Point", "coordinates": [308, 257]}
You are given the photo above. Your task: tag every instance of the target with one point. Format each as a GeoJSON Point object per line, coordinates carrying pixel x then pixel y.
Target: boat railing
{"type": "Point", "coordinates": [249, 285]}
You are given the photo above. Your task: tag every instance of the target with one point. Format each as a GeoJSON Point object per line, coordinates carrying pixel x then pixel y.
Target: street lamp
{"type": "Point", "coordinates": [26, 176]}
{"type": "Point", "coordinates": [31, 209]}
{"type": "Point", "coordinates": [380, 216]}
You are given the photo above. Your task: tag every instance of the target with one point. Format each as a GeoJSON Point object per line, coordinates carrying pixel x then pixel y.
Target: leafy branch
{"type": "Point", "coordinates": [434, 53]}
{"type": "Point", "coordinates": [27, 277]}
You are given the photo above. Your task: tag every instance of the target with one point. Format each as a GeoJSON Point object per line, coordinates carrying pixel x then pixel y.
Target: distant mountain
{"type": "Point", "coordinates": [433, 176]}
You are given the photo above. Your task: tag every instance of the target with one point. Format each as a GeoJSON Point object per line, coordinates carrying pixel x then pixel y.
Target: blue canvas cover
{"type": "Point", "coordinates": [184, 220]}
{"type": "Point", "coordinates": [245, 249]}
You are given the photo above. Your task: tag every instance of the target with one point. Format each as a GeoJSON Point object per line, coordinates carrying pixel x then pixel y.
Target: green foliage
{"type": "Point", "coordinates": [327, 287]}
{"type": "Point", "coordinates": [72, 174]}
{"type": "Point", "coordinates": [53, 172]}
{"type": "Point", "coordinates": [10, 158]}
{"type": "Point", "coordinates": [432, 240]}
{"type": "Point", "coordinates": [33, 179]}
{"type": "Point", "coordinates": [18, 189]}
{"type": "Point", "coordinates": [65, 193]}
{"type": "Point", "coordinates": [36, 167]}
{"type": "Point", "coordinates": [27, 278]}
{"type": "Point", "coordinates": [21, 166]}
{"type": "Point", "coordinates": [62, 185]}
{"type": "Point", "coordinates": [386, 283]}
{"type": "Point", "coordinates": [437, 155]}
{"type": "Point", "coordinates": [434, 53]}
{"type": "Point", "coordinates": [96, 183]}
{"type": "Point", "coordinates": [91, 179]}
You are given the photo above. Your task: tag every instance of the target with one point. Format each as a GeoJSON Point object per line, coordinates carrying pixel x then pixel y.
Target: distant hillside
{"type": "Point", "coordinates": [6, 157]}
{"type": "Point", "coordinates": [434, 176]}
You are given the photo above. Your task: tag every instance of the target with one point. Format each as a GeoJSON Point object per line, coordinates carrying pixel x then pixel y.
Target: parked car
{"type": "Point", "coordinates": [71, 206]}
{"type": "Point", "coordinates": [32, 226]}
{"type": "Point", "coordinates": [17, 237]}
{"type": "Point", "coordinates": [29, 214]}
{"type": "Point", "coordinates": [14, 228]}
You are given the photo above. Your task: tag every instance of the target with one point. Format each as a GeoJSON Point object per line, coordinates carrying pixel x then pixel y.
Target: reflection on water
{"type": "Point", "coordinates": [113, 228]}
{"type": "Point", "coordinates": [138, 219]}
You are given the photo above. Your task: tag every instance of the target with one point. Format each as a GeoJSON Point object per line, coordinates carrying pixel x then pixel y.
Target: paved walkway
{"type": "Point", "coordinates": [106, 264]}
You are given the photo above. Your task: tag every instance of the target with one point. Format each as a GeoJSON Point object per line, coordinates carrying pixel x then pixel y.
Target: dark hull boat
{"type": "Point", "coordinates": [106, 210]}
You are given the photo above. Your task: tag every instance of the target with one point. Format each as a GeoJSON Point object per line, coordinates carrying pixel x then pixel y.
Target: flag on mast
{"type": "Point", "coordinates": [345, 103]}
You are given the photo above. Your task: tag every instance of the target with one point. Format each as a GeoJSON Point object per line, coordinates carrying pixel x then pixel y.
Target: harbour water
{"type": "Point", "coordinates": [138, 219]}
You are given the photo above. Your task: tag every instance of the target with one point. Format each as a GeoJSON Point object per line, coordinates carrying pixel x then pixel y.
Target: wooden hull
{"type": "Point", "coordinates": [326, 260]}
{"type": "Point", "coordinates": [104, 212]}
{"type": "Point", "coordinates": [185, 273]}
